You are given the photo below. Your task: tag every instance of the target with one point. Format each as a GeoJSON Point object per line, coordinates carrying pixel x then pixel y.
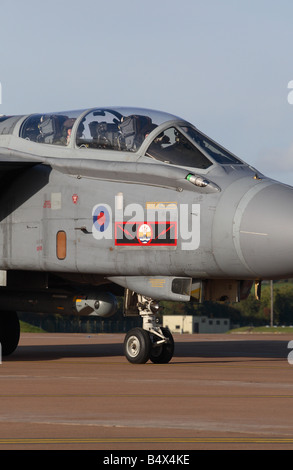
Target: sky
{"type": "Point", "coordinates": [224, 65]}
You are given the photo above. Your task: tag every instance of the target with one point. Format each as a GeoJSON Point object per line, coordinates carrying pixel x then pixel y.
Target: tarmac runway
{"type": "Point", "coordinates": [78, 391]}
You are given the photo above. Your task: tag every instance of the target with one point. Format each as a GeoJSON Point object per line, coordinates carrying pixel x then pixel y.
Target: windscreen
{"type": "Point", "coordinates": [172, 147]}
{"type": "Point", "coordinates": [219, 154]}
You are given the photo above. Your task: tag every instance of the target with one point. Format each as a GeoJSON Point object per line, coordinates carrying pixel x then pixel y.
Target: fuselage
{"type": "Point", "coordinates": [132, 192]}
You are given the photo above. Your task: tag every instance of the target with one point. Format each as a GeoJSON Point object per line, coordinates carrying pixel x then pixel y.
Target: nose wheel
{"type": "Point", "coordinates": [162, 353]}
{"type": "Point", "coordinates": [149, 342]}
{"type": "Point", "coordinates": [137, 346]}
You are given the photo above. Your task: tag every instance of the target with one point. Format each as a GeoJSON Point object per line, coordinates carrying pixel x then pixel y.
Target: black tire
{"type": "Point", "coordinates": [9, 332]}
{"type": "Point", "coordinates": [162, 354]}
{"type": "Point", "coordinates": [137, 346]}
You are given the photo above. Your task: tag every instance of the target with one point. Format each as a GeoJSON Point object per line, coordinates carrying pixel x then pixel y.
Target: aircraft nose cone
{"type": "Point", "coordinates": [265, 232]}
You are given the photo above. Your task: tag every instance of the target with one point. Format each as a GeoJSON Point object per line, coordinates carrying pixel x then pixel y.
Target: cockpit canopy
{"type": "Point", "coordinates": [49, 128]}
{"type": "Point", "coordinates": [113, 129]}
{"type": "Point", "coordinates": [172, 140]}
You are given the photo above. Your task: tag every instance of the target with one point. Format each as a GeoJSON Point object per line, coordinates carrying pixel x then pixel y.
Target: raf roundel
{"type": "Point", "coordinates": [101, 218]}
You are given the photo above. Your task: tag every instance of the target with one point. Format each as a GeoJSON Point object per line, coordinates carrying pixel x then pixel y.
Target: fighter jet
{"type": "Point", "coordinates": [138, 203]}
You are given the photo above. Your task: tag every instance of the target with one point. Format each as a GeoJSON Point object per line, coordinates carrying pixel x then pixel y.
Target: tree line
{"type": "Point", "coordinates": [248, 311]}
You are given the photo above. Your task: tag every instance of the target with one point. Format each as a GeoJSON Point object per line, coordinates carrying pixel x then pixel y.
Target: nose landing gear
{"type": "Point", "coordinates": [151, 341]}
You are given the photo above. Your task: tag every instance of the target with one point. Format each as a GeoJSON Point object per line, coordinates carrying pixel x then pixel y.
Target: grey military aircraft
{"type": "Point", "coordinates": [109, 202]}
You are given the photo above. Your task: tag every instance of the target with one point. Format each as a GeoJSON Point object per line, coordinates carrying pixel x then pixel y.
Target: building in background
{"type": "Point", "coordinates": [195, 324]}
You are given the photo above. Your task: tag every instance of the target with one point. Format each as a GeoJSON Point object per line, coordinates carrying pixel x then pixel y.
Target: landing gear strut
{"type": "Point", "coordinates": [151, 341]}
{"type": "Point", "coordinates": [9, 332]}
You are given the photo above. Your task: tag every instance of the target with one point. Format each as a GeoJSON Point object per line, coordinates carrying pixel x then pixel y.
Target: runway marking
{"type": "Point", "coordinates": [139, 395]}
{"type": "Point", "coordinates": [148, 440]}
